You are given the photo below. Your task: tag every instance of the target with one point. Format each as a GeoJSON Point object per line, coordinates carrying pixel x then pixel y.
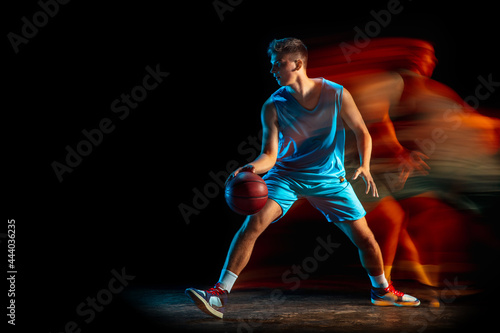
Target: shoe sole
{"type": "Point", "coordinates": [389, 303]}
{"type": "Point", "coordinates": [202, 304]}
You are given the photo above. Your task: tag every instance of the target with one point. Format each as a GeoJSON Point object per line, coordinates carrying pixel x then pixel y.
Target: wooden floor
{"type": "Point", "coordinates": [276, 310]}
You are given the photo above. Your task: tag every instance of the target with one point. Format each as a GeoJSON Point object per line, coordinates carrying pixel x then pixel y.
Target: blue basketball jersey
{"type": "Point", "coordinates": [311, 142]}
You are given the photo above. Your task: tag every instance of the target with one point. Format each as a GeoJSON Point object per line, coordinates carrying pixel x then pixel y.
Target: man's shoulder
{"type": "Point", "coordinates": [279, 93]}
{"type": "Point", "coordinates": [269, 104]}
{"type": "Point", "coordinates": [333, 85]}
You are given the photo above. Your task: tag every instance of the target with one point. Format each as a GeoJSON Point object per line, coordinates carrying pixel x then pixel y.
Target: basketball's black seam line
{"type": "Point", "coordinates": [232, 188]}
{"type": "Point", "coordinates": [249, 181]}
{"type": "Point", "coordinates": [237, 196]}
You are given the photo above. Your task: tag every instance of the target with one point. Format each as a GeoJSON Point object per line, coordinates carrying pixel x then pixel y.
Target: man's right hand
{"type": "Point", "coordinates": [245, 168]}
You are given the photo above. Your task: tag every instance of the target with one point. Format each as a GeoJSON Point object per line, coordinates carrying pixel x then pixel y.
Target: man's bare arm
{"type": "Point", "coordinates": [267, 158]}
{"type": "Point", "coordinates": [351, 115]}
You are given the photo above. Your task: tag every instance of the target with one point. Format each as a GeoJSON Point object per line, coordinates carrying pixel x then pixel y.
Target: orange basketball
{"type": "Point", "coordinates": [246, 193]}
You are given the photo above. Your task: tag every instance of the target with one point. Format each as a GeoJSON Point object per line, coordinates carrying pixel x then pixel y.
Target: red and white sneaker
{"type": "Point", "coordinates": [392, 297]}
{"type": "Point", "coordinates": [210, 301]}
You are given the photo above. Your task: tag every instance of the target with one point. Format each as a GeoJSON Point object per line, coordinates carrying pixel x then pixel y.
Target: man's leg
{"type": "Point", "coordinates": [243, 242]}
{"type": "Point", "coordinates": [212, 301]}
{"type": "Point", "coordinates": [369, 251]}
{"type": "Point", "coordinates": [386, 218]}
{"type": "Point", "coordinates": [383, 293]}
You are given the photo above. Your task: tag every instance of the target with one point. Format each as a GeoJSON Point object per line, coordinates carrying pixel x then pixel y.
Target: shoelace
{"type": "Point", "coordinates": [391, 289]}
{"type": "Point", "coordinates": [216, 290]}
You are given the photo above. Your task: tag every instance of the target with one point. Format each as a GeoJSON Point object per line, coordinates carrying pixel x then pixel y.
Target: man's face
{"type": "Point", "coordinates": [283, 68]}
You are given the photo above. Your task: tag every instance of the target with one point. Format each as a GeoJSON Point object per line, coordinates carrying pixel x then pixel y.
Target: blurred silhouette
{"type": "Point", "coordinates": [432, 152]}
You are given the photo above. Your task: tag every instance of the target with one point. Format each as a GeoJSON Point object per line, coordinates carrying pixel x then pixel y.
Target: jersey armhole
{"type": "Point", "coordinates": [340, 95]}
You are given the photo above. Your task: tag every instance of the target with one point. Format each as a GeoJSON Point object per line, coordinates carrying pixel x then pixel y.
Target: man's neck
{"type": "Point", "coordinates": [302, 87]}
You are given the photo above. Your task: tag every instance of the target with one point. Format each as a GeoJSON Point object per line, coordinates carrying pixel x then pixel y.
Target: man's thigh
{"type": "Point", "coordinates": [337, 202]}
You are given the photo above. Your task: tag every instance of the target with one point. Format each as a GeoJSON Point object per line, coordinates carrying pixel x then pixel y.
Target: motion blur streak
{"type": "Point", "coordinates": [435, 158]}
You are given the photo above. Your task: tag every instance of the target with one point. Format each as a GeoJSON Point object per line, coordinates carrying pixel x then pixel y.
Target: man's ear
{"type": "Point", "coordinates": [298, 64]}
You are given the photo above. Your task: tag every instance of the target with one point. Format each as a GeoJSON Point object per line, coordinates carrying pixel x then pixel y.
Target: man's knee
{"type": "Point", "coordinates": [362, 236]}
{"type": "Point", "coordinates": [367, 242]}
{"type": "Point", "coordinates": [255, 225]}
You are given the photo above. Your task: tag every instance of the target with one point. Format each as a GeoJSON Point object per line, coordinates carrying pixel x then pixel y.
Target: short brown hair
{"type": "Point", "coordinates": [287, 46]}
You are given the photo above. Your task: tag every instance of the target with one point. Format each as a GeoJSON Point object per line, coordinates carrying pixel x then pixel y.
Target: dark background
{"type": "Point", "coordinates": [120, 206]}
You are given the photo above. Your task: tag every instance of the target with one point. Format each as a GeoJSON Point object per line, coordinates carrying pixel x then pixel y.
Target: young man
{"type": "Point", "coordinates": [303, 155]}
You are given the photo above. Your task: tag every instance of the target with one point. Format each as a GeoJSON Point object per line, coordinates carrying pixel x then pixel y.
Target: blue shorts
{"type": "Point", "coordinates": [335, 198]}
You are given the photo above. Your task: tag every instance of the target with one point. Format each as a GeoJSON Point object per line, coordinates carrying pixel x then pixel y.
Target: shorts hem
{"type": "Point", "coordinates": [283, 211]}
{"type": "Point", "coordinates": [347, 219]}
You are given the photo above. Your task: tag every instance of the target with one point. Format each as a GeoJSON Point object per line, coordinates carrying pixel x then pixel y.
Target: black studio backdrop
{"type": "Point", "coordinates": [117, 113]}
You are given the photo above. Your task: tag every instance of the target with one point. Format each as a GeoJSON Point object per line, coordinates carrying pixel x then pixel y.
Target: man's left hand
{"type": "Point", "coordinates": [367, 177]}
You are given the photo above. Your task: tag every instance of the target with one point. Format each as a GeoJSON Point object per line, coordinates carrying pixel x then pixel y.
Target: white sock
{"type": "Point", "coordinates": [227, 279]}
{"type": "Point", "coordinates": [379, 281]}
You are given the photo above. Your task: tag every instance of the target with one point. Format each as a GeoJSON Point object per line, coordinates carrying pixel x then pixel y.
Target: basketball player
{"type": "Point", "coordinates": [303, 155]}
